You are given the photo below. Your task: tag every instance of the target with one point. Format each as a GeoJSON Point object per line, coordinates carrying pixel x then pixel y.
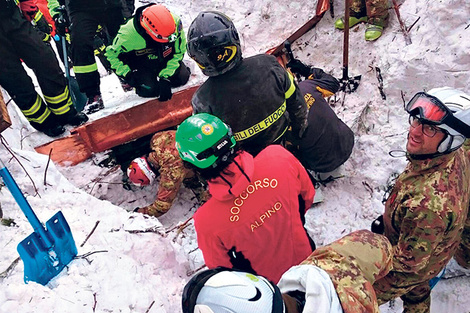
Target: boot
{"type": "Point", "coordinates": [373, 32]}
{"type": "Point", "coordinates": [353, 21]}
{"type": "Point", "coordinates": [76, 120]}
{"type": "Point", "coordinates": [94, 104]}
{"type": "Point", "coordinates": [50, 129]}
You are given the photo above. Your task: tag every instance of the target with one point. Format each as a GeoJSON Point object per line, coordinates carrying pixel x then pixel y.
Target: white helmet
{"type": "Point", "coordinates": [459, 103]}
{"type": "Point", "coordinates": [140, 173]}
{"type": "Point", "coordinates": [223, 290]}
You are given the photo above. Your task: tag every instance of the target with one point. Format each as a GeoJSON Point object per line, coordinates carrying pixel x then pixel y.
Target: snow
{"type": "Point", "coordinates": [139, 264]}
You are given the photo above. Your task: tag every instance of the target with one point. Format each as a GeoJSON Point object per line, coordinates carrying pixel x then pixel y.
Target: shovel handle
{"type": "Point", "coordinates": [24, 205]}
{"type": "Point", "coordinates": [66, 59]}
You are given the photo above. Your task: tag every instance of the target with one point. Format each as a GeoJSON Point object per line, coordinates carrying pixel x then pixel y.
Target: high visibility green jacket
{"type": "Point", "coordinates": [133, 48]}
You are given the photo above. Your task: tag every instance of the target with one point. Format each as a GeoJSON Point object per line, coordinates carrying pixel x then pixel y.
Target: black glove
{"type": "Point", "coordinates": [44, 28]}
{"type": "Point", "coordinates": [145, 91]}
{"type": "Point", "coordinates": [165, 89]}
{"type": "Point", "coordinates": [377, 225]}
{"type": "Point", "coordinates": [61, 22]}
{"type": "Point", "coordinates": [132, 78]}
{"type": "Point", "coordinates": [297, 67]}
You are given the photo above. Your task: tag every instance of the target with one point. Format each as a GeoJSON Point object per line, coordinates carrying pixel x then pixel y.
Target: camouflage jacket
{"type": "Point", "coordinates": [352, 263]}
{"type": "Point", "coordinates": [425, 215]}
{"type": "Point", "coordinates": [462, 256]}
{"type": "Point", "coordinates": [165, 159]}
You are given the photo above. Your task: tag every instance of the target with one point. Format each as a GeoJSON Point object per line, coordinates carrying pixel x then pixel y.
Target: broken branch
{"type": "Point", "coordinates": [402, 24]}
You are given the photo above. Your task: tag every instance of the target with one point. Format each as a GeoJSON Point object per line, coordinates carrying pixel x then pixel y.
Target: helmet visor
{"type": "Point", "coordinates": [428, 108]}
{"type": "Point", "coordinates": [220, 148]}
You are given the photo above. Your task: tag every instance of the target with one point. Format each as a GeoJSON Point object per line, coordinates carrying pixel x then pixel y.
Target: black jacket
{"type": "Point", "coordinates": [328, 141]}
{"type": "Point", "coordinates": [258, 99]}
{"type": "Point", "coordinates": [83, 5]}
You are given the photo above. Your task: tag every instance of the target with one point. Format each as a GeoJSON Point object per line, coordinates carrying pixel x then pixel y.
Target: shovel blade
{"type": "Point", "coordinates": [41, 263]}
{"type": "Point", "coordinates": [79, 99]}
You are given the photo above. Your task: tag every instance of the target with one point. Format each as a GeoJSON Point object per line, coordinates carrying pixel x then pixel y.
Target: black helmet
{"type": "Point", "coordinates": [213, 43]}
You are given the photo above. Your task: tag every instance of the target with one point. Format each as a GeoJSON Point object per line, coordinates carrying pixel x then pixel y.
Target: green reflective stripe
{"type": "Point", "coordinates": [34, 108]}
{"type": "Point", "coordinates": [282, 134]}
{"type": "Point", "coordinates": [85, 68]}
{"type": "Point", "coordinates": [58, 99]}
{"type": "Point", "coordinates": [259, 127]}
{"type": "Point", "coordinates": [38, 16]}
{"type": "Point", "coordinates": [40, 119]}
{"type": "Point", "coordinates": [63, 109]}
{"type": "Point", "coordinates": [291, 89]}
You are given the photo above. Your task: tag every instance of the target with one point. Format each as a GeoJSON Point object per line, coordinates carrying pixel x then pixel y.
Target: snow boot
{"type": "Point", "coordinates": [94, 104]}
{"type": "Point", "coordinates": [373, 32]}
{"type": "Point", "coordinates": [353, 21]}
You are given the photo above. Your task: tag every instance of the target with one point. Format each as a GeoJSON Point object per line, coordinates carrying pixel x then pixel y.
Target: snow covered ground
{"type": "Point", "coordinates": [136, 264]}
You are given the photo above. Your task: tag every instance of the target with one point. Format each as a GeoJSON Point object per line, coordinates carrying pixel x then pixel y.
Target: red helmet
{"type": "Point", "coordinates": [140, 173]}
{"type": "Point", "coordinates": [158, 23]}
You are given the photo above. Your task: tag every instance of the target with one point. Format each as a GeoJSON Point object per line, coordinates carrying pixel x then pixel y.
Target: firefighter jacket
{"type": "Point", "coordinates": [424, 219]}
{"type": "Point", "coordinates": [133, 49]}
{"type": "Point", "coordinates": [258, 98]}
{"type": "Point", "coordinates": [83, 5]}
{"type": "Point", "coordinates": [7, 7]}
{"type": "Point", "coordinates": [328, 141]}
{"type": "Point", "coordinates": [254, 209]}
{"type": "Point", "coordinates": [338, 277]}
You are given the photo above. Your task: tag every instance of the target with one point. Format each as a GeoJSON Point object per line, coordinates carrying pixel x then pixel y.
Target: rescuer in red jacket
{"type": "Point", "coordinates": [254, 218]}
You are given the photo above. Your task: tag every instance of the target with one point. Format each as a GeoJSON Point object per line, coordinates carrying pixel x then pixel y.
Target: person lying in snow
{"type": "Point", "coordinates": [255, 216]}
{"type": "Point", "coordinates": [335, 278]}
{"type": "Point", "coordinates": [327, 142]}
{"type": "Point", "coordinates": [164, 161]}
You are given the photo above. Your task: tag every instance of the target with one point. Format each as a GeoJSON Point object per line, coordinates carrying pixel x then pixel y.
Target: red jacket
{"type": "Point", "coordinates": [260, 217]}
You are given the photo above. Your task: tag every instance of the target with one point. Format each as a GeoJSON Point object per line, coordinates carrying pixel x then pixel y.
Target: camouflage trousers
{"type": "Point", "coordinates": [353, 263]}
{"type": "Point", "coordinates": [462, 255]}
{"type": "Point", "coordinates": [375, 10]}
{"type": "Point", "coordinates": [416, 294]}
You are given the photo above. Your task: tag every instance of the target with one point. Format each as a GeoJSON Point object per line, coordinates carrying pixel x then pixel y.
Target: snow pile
{"type": "Point", "coordinates": [138, 264]}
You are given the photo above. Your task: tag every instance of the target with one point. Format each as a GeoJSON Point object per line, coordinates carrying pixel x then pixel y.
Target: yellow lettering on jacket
{"type": "Point", "coordinates": [265, 216]}
{"type": "Point", "coordinates": [250, 189]}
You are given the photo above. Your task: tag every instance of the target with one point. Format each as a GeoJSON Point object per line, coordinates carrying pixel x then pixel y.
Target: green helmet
{"type": "Point", "coordinates": [203, 140]}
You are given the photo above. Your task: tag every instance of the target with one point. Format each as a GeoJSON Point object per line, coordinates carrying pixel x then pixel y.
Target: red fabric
{"type": "Point", "coordinates": [42, 5]}
{"type": "Point", "coordinates": [259, 218]}
{"type": "Point", "coordinates": [29, 9]}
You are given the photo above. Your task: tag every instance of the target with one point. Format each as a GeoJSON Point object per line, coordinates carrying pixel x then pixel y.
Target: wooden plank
{"type": "Point", "coordinates": [119, 128]}
{"type": "Point", "coordinates": [66, 151]}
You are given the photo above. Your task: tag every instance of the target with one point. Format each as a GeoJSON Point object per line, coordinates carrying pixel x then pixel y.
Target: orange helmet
{"type": "Point", "coordinates": [140, 173]}
{"type": "Point", "coordinates": [158, 22]}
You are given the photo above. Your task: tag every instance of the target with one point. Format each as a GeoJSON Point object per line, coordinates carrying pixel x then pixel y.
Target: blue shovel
{"type": "Point", "coordinates": [47, 250]}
